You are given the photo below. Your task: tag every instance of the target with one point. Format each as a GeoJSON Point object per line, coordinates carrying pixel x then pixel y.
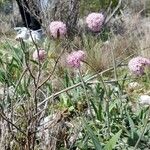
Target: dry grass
{"type": "Point", "coordinates": [5, 23]}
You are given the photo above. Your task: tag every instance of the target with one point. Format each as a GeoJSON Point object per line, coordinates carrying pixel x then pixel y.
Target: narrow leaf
{"type": "Point", "coordinates": [112, 142]}
{"type": "Point", "coordinates": [94, 138]}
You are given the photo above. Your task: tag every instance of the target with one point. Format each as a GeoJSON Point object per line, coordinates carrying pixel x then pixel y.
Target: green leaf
{"type": "Point", "coordinates": [2, 75]}
{"type": "Point", "coordinates": [112, 142]}
{"type": "Point", "coordinates": [131, 123]}
{"type": "Point", "coordinates": [98, 110]}
{"type": "Point", "coordinates": [94, 138]}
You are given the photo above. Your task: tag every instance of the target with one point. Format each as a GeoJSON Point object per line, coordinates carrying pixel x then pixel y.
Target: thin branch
{"type": "Point", "coordinates": [6, 119]}
{"type": "Point", "coordinates": [26, 62]}
{"type": "Point", "coordinates": [54, 68]}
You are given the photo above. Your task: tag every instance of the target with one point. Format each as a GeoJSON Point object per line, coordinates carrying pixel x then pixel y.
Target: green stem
{"type": "Point", "coordinates": [114, 64]}
{"type": "Point", "coordinates": [107, 105]}
{"type": "Point", "coordinates": [144, 128]}
{"type": "Point", "coordinates": [86, 94]}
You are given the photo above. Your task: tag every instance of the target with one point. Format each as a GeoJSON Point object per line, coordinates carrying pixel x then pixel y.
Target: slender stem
{"type": "Point", "coordinates": [54, 68]}
{"type": "Point", "coordinates": [108, 117]}
{"type": "Point", "coordinates": [26, 59]}
{"type": "Point", "coordinates": [114, 64]}
{"type": "Point", "coordinates": [144, 128]}
{"type": "Point", "coordinates": [10, 122]}
{"type": "Point", "coordinates": [86, 94]}
{"type": "Point", "coordinates": [115, 10]}
{"type": "Point", "coordinates": [39, 62]}
{"type": "Point", "coordinates": [107, 105]}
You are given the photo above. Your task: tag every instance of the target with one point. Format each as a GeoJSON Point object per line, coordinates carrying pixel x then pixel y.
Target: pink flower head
{"type": "Point", "coordinates": [58, 29]}
{"type": "Point", "coordinates": [95, 21]}
{"type": "Point", "coordinates": [42, 55]}
{"type": "Point", "coordinates": [74, 59]}
{"type": "Point", "coordinates": [137, 65]}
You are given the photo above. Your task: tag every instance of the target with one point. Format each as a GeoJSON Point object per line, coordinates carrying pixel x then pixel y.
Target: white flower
{"type": "Point", "coordinates": [144, 99]}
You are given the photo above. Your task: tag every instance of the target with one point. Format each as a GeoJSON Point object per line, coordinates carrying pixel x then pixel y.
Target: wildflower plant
{"type": "Point", "coordinates": [57, 105]}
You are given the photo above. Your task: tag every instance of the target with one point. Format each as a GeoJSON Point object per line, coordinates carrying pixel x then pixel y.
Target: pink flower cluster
{"type": "Point", "coordinates": [58, 29]}
{"type": "Point", "coordinates": [42, 55]}
{"type": "Point", "coordinates": [74, 59]}
{"type": "Point", "coordinates": [95, 21]}
{"type": "Point", "coordinates": [137, 65]}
